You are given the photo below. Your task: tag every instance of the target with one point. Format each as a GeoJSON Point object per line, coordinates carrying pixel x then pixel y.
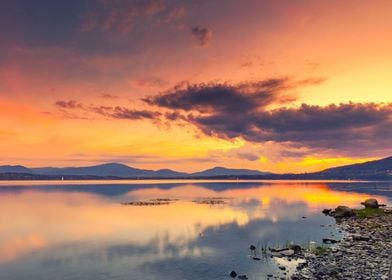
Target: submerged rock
{"type": "Point", "coordinates": [233, 274]}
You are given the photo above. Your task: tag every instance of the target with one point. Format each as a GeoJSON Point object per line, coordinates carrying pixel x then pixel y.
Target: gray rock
{"type": "Point", "coordinates": [370, 203]}
{"type": "Point", "coordinates": [287, 253]}
{"type": "Point", "coordinates": [330, 241]}
{"type": "Point", "coordinates": [342, 211]}
{"type": "Point", "coordinates": [297, 248]}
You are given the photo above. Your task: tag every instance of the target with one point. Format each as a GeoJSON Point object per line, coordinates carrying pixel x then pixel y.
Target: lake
{"type": "Point", "coordinates": [163, 229]}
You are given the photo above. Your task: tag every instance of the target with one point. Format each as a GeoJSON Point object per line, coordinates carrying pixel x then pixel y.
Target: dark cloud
{"type": "Point", "coordinates": [118, 112]}
{"type": "Point", "coordinates": [70, 104]}
{"type": "Point", "coordinates": [225, 98]}
{"type": "Point", "coordinates": [230, 111]}
{"type": "Point", "coordinates": [336, 127]}
{"type": "Point", "coordinates": [125, 113]}
{"type": "Point", "coordinates": [68, 109]}
{"type": "Point", "coordinates": [202, 35]}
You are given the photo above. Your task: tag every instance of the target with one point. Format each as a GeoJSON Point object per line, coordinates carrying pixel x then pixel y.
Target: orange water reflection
{"type": "Point", "coordinates": [32, 220]}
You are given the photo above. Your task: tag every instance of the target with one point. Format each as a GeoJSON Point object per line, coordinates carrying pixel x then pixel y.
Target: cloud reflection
{"type": "Point", "coordinates": [44, 220]}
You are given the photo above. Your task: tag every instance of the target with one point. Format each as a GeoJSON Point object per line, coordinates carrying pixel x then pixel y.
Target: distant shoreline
{"type": "Point", "coordinates": [377, 170]}
{"type": "Point", "coordinates": [168, 180]}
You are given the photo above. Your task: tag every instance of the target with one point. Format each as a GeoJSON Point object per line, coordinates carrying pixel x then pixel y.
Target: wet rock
{"type": "Point", "coordinates": [277, 250]}
{"type": "Point", "coordinates": [297, 248]}
{"type": "Point", "coordinates": [327, 211]}
{"type": "Point", "coordinates": [281, 267]}
{"type": "Point", "coordinates": [252, 247]}
{"type": "Point", "coordinates": [370, 203]}
{"type": "Point", "coordinates": [275, 254]}
{"type": "Point", "coordinates": [243, 277]}
{"type": "Point", "coordinates": [342, 212]}
{"type": "Point", "coordinates": [233, 274]}
{"type": "Point", "coordinates": [287, 253]}
{"type": "Point", "coordinates": [330, 241]}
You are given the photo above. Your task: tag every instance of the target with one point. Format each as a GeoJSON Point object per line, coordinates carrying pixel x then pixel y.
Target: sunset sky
{"type": "Point", "coordinates": [282, 86]}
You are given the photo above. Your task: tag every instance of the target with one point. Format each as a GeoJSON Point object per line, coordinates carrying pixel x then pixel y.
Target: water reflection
{"type": "Point", "coordinates": [68, 232]}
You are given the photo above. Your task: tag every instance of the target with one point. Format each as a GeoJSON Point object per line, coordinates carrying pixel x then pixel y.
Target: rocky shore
{"type": "Point", "coordinates": [365, 251]}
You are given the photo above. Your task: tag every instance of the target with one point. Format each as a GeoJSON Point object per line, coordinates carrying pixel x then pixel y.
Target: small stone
{"type": "Point", "coordinates": [233, 274]}
{"type": "Point", "coordinates": [330, 241]}
{"type": "Point", "coordinates": [287, 253]}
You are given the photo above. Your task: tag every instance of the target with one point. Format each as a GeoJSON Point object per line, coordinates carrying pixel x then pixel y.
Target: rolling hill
{"type": "Point", "coordinates": [372, 170]}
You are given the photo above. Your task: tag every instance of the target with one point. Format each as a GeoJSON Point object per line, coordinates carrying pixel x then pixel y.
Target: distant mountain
{"type": "Point", "coordinates": [371, 170]}
{"type": "Point", "coordinates": [14, 169]}
{"type": "Point", "coordinates": [117, 170]}
{"type": "Point", "coordinates": [169, 173]}
{"type": "Point", "coordinates": [110, 169]}
{"type": "Point", "coordinates": [222, 171]}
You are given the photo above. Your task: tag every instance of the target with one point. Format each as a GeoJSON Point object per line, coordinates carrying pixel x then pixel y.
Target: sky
{"type": "Point", "coordinates": [281, 86]}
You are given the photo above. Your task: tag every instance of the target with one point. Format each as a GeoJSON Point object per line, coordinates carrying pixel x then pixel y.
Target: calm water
{"type": "Point", "coordinates": [52, 230]}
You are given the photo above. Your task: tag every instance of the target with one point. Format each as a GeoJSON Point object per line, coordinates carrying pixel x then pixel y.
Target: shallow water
{"type": "Point", "coordinates": [81, 230]}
